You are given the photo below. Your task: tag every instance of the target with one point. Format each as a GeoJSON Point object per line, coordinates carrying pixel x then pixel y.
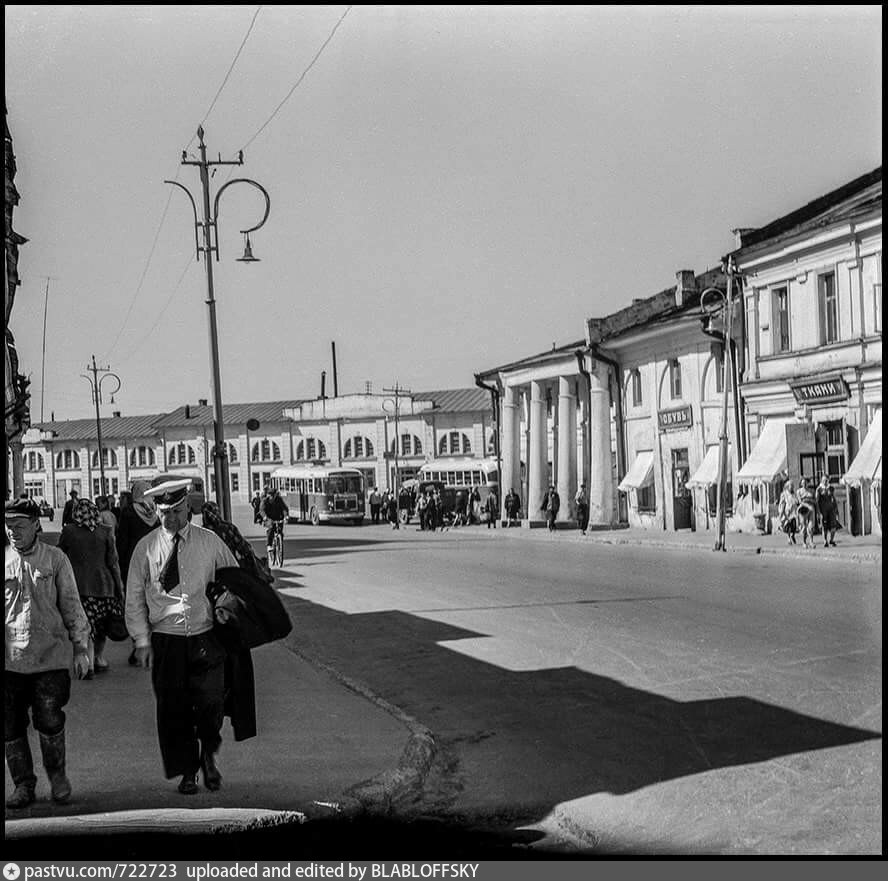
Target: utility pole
{"type": "Point", "coordinates": [95, 382]}
{"type": "Point", "coordinates": [726, 385]}
{"type": "Point", "coordinates": [43, 360]}
{"type": "Point", "coordinates": [397, 391]}
{"type": "Point", "coordinates": [209, 226]}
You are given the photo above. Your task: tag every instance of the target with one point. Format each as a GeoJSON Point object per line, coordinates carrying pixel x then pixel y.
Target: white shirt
{"type": "Point", "coordinates": [185, 610]}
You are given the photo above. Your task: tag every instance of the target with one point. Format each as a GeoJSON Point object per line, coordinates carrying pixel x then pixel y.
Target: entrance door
{"type": "Point", "coordinates": [681, 495]}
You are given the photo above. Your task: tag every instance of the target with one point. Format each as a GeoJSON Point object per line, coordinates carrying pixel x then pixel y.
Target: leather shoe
{"type": "Point", "coordinates": [212, 777]}
{"type": "Point", "coordinates": [188, 784]}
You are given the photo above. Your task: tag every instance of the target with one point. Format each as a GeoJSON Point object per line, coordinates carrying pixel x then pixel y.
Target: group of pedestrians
{"type": "Point", "coordinates": [151, 575]}
{"type": "Point", "coordinates": [799, 511]}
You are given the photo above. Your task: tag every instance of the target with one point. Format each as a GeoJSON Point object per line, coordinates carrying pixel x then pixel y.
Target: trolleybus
{"type": "Point", "coordinates": [317, 494]}
{"type": "Point", "coordinates": [458, 474]}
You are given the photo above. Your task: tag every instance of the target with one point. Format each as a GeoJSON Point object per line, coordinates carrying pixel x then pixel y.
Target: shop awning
{"type": "Point", "coordinates": [640, 474]}
{"type": "Point", "coordinates": [707, 473]}
{"type": "Point", "coordinates": [867, 464]}
{"type": "Point", "coordinates": [768, 459]}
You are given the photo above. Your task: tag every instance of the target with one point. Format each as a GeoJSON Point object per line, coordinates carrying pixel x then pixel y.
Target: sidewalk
{"type": "Point", "coordinates": [860, 549]}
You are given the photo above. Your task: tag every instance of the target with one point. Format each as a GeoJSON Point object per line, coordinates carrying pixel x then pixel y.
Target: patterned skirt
{"type": "Point", "coordinates": [98, 611]}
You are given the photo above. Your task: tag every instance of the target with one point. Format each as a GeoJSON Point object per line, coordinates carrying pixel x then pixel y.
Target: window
{"type": "Point", "coordinates": [181, 454]}
{"type": "Point", "coordinates": [34, 489]}
{"type": "Point", "coordinates": [646, 497]}
{"type": "Point", "coordinates": [358, 448]}
{"type": "Point", "coordinates": [67, 460]}
{"type": "Point", "coordinates": [635, 379]}
{"type": "Point", "coordinates": [453, 443]}
{"type": "Point", "coordinates": [111, 485]}
{"type": "Point", "coordinates": [877, 307]}
{"type": "Point", "coordinates": [835, 450]}
{"type": "Point", "coordinates": [411, 445]}
{"type": "Point", "coordinates": [232, 453]}
{"type": "Point", "coordinates": [491, 444]}
{"type": "Point", "coordinates": [235, 483]}
{"type": "Point", "coordinates": [829, 308]}
{"type": "Point", "coordinates": [33, 461]}
{"type": "Point", "coordinates": [256, 479]}
{"type": "Point", "coordinates": [141, 457]}
{"type": "Point", "coordinates": [265, 451]}
{"type": "Point", "coordinates": [109, 458]}
{"type": "Point", "coordinates": [718, 365]}
{"type": "Point", "coordinates": [675, 378]}
{"type": "Point", "coordinates": [780, 319]}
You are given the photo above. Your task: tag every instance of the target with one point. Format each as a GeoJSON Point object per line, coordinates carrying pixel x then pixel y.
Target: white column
{"type": "Point", "coordinates": [567, 447]}
{"type": "Point", "coordinates": [601, 484]}
{"type": "Point", "coordinates": [510, 440]}
{"type": "Point", "coordinates": [538, 465]}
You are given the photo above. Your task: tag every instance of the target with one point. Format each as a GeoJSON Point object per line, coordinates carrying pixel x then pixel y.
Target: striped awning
{"type": "Point", "coordinates": [867, 464]}
{"type": "Point", "coordinates": [768, 459]}
{"type": "Point", "coordinates": [640, 474]}
{"type": "Point", "coordinates": [707, 473]}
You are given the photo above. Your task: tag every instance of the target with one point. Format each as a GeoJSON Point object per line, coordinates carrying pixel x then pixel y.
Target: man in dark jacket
{"type": "Point", "coordinates": [68, 511]}
{"type": "Point", "coordinates": [551, 505]}
{"type": "Point", "coordinates": [274, 511]}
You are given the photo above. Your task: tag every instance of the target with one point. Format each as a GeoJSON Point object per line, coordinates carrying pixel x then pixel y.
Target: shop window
{"type": "Point", "coordinates": [780, 319]}
{"type": "Point", "coordinates": [829, 308]}
{"type": "Point", "coordinates": [646, 497]}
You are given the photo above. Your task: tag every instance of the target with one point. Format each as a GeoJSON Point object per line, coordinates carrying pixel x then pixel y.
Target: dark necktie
{"type": "Point", "coordinates": [169, 575]}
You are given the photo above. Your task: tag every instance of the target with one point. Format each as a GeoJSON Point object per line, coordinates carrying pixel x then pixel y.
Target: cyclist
{"type": "Point", "coordinates": [274, 511]}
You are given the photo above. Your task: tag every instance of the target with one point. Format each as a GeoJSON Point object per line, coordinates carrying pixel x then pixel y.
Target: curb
{"type": "Point", "coordinates": [386, 791]}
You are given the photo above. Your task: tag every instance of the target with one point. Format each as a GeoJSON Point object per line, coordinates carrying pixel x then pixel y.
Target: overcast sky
{"type": "Point", "coordinates": [452, 188]}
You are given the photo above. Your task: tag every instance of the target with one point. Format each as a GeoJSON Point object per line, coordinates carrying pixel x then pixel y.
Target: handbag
{"type": "Point", "coordinates": [115, 627]}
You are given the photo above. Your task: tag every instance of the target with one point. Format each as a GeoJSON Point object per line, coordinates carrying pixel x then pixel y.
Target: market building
{"type": "Point", "coordinates": [812, 385]}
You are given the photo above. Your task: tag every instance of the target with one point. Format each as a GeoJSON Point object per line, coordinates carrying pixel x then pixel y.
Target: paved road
{"type": "Point", "coordinates": [621, 699]}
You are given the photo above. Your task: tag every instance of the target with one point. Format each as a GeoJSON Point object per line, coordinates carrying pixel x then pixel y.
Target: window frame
{"type": "Point", "coordinates": [780, 329]}
{"type": "Point", "coordinates": [675, 379]}
{"type": "Point", "coordinates": [636, 387]}
{"type": "Point", "coordinates": [825, 299]}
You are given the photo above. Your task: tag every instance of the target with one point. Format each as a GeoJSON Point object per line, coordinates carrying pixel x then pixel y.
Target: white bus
{"type": "Point", "coordinates": [318, 494]}
{"type": "Point", "coordinates": [463, 474]}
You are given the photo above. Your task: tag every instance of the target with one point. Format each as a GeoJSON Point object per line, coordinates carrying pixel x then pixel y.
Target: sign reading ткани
{"type": "Point", "coordinates": [681, 417]}
{"type": "Point", "coordinates": [821, 391]}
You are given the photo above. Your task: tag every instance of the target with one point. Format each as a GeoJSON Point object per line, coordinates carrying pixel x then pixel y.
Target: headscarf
{"type": "Point", "coordinates": [145, 508]}
{"type": "Point", "coordinates": [86, 514]}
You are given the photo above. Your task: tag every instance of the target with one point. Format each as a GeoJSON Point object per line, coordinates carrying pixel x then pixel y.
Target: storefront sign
{"type": "Point", "coordinates": [681, 417]}
{"type": "Point", "coordinates": [822, 391]}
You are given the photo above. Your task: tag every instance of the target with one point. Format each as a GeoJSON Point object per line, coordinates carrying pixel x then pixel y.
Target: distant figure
{"type": "Point", "coordinates": [69, 506]}
{"type": "Point", "coordinates": [256, 503]}
{"type": "Point", "coordinates": [829, 517]}
{"type": "Point", "coordinates": [106, 515]}
{"type": "Point", "coordinates": [551, 505]}
{"type": "Point", "coordinates": [392, 511]}
{"type": "Point", "coordinates": [582, 502]}
{"type": "Point", "coordinates": [513, 507]}
{"type": "Point", "coordinates": [375, 504]}
{"type": "Point", "coordinates": [113, 507]}
{"type": "Point", "coordinates": [805, 511]}
{"type": "Point", "coordinates": [787, 513]}
{"type": "Point", "coordinates": [492, 508]}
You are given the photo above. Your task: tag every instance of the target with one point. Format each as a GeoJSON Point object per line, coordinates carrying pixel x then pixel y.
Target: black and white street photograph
{"type": "Point", "coordinates": [442, 436]}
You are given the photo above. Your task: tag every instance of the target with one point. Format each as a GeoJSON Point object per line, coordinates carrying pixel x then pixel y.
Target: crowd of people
{"type": "Point", "coordinates": [799, 511]}
{"type": "Point", "coordinates": [136, 571]}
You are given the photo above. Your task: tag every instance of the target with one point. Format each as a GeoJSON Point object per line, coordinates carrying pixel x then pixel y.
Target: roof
{"type": "Point", "coordinates": [556, 353]}
{"type": "Point", "coordinates": [233, 414]}
{"type": "Point", "coordinates": [856, 198]}
{"type": "Point", "coordinates": [115, 427]}
{"type": "Point", "coordinates": [460, 400]}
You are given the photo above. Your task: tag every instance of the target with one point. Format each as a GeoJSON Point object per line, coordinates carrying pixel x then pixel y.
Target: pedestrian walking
{"type": "Point", "coordinates": [392, 510]}
{"type": "Point", "coordinates": [829, 517]}
{"type": "Point", "coordinates": [551, 505]}
{"type": "Point", "coordinates": [513, 507]}
{"type": "Point", "coordinates": [422, 508]}
{"type": "Point", "coordinates": [582, 502]}
{"type": "Point", "coordinates": [492, 508]}
{"type": "Point", "coordinates": [433, 510]}
{"type": "Point", "coordinates": [787, 513]}
{"type": "Point", "coordinates": [44, 619]}
{"type": "Point", "coordinates": [106, 515]}
{"type": "Point", "coordinates": [90, 547]}
{"type": "Point", "coordinates": [69, 506]}
{"type": "Point", "coordinates": [375, 505]}
{"type": "Point", "coordinates": [805, 510]}
{"type": "Point", "coordinates": [256, 504]}
{"type": "Point", "coordinates": [170, 617]}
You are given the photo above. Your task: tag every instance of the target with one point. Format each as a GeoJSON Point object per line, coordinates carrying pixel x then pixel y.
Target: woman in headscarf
{"type": "Point", "coordinates": [787, 510]}
{"type": "Point", "coordinates": [89, 546]}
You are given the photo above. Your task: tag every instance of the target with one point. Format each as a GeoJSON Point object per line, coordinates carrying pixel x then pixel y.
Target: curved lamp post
{"type": "Point", "coordinates": [209, 224]}
{"type": "Point", "coordinates": [713, 301]}
{"type": "Point", "coordinates": [95, 383]}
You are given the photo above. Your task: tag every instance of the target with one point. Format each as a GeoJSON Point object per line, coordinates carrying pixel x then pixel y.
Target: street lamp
{"type": "Point", "coordinates": [713, 301]}
{"type": "Point", "coordinates": [395, 402]}
{"type": "Point", "coordinates": [95, 384]}
{"type": "Point", "coordinates": [211, 245]}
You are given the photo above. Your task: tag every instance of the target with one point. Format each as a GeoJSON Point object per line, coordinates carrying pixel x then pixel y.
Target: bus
{"type": "Point", "coordinates": [317, 494]}
{"type": "Point", "coordinates": [458, 474]}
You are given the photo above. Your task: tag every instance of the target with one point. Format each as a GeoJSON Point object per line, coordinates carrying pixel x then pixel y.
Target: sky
{"type": "Point", "coordinates": [452, 187]}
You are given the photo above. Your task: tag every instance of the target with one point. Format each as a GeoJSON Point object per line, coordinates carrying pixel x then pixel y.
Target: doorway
{"type": "Point", "coordinates": [682, 500]}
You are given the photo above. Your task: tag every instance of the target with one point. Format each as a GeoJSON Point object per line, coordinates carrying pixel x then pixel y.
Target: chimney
{"type": "Point", "coordinates": [686, 286]}
{"type": "Point", "coordinates": [188, 411]}
{"type": "Point", "coordinates": [368, 387]}
{"type": "Point", "coordinates": [116, 414]}
{"type": "Point", "coordinates": [323, 384]}
{"type": "Point", "coordinates": [202, 402]}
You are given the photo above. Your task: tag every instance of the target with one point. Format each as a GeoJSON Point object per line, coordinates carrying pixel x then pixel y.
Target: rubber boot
{"type": "Point", "coordinates": [53, 749]}
{"type": "Point", "coordinates": [21, 769]}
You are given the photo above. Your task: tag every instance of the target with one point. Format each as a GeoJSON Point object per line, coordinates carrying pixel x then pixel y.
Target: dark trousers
{"type": "Point", "coordinates": [44, 694]}
{"type": "Point", "coordinates": [583, 517]}
{"type": "Point", "coordinates": [188, 680]}
{"type": "Point", "coordinates": [374, 513]}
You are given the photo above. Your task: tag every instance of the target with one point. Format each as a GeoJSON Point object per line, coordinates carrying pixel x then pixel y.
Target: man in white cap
{"type": "Point", "coordinates": [44, 618]}
{"type": "Point", "coordinates": [170, 619]}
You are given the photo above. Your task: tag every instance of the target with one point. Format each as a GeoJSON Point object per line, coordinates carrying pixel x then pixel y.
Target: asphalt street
{"type": "Point", "coordinates": [633, 699]}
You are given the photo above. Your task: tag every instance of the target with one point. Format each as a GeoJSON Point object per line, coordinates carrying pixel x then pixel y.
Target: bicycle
{"type": "Point", "coordinates": [276, 558]}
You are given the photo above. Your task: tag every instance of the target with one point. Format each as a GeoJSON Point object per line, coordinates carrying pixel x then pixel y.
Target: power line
{"type": "Point", "coordinates": [301, 78]}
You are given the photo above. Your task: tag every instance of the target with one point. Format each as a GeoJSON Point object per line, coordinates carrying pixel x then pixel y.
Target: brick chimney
{"type": "Point", "coordinates": [686, 286]}
{"type": "Point", "coordinates": [116, 414]}
{"type": "Point", "coordinates": [202, 402]}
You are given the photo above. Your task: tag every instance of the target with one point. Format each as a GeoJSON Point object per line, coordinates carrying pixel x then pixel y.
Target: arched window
{"type": "Point", "coordinates": [311, 449]}
{"type": "Point", "coordinates": [300, 451]}
{"type": "Point", "coordinates": [454, 443]}
{"type": "Point", "coordinates": [67, 460]}
{"type": "Point", "coordinates": [358, 447]}
{"type": "Point", "coordinates": [109, 458]}
{"type": "Point", "coordinates": [636, 389]}
{"type": "Point", "coordinates": [181, 454]}
{"type": "Point", "coordinates": [33, 461]}
{"type": "Point", "coordinates": [232, 453]}
{"type": "Point", "coordinates": [411, 445]}
{"type": "Point", "coordinates": [675, 378]}
{"type": "Point", "coordinates": [265, 451]}
{"type": "Point", "coordinates": [141, 457]}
